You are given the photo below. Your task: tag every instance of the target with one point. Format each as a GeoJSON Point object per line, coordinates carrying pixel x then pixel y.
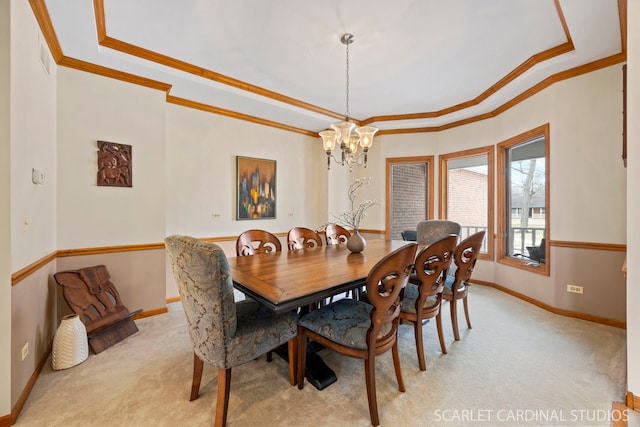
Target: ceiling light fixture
{"type": "Point", "coordinates": [343, 132]}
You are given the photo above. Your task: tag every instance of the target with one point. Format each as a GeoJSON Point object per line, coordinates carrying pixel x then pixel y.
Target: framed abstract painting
{"type": "Point", "coordinates": [255, 188]}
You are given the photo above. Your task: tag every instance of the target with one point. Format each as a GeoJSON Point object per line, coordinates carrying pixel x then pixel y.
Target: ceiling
{"type": "Point", "coordinates": [415, 65]}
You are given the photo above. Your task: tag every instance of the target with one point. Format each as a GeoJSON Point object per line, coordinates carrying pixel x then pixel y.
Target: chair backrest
{"type": "Point", "coordinates": [301, 237]}
{"type": "Point", "coordinates": [432, 230]}
{"type": "Point", "coordinates": [409, 235]}
{"type": "Point", "coordinates": [336, 234]}
{"type": "Point", "coordinates": [465, 258]}
{"type": "Point", "coordinates": [253, 242]}
{"type": "Point", "coordinates": [431, 266]}
{"type": "Point", "coordinates": [206, 289]}
{"type": "Point", "coordinates": [537, 253]}
{"type": "Point", "coordinates": [385, 282]}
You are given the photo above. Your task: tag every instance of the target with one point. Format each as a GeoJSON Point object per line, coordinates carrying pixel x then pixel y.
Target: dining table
{"type": "Point", "coordinates": [289, 280]}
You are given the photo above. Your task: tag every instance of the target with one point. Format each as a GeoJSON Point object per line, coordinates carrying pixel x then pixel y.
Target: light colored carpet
{"type": "Point", "coordinates": [518, 366]}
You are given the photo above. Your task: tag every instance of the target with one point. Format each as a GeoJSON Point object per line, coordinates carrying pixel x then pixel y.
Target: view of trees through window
{"type": "Point", "coordinates": [523, 200]}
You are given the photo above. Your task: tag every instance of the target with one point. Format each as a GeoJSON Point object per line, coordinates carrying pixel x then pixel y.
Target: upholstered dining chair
{"type": "Point", "coordinates": [423, 299]}
{"type": "Point", "coordinates": [336, 234]}
{"type": "Point", "coordinates": [457, 286]}
{"type": "Point", "coordinates": [432, 230]}
{"type": "Point", "coordinates": [409, 235]}
{"type": "Point", "coordinates": [301, 237]}
{"type": "Point", "coordinates": [362, 330]}
{"type": "Point", "coordinates": [253, 242]}
{"type": "Point", "coordinates": [223, 333]}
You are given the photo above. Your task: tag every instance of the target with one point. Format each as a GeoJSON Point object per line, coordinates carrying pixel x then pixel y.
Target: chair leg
{"type": "Point", "coordinates": [440, 335]}
{"type": "Point", "coordinates": [396, 366]}
{"type": "Point", "coordinates": [198, 366]}
{"type": "Point", "coordinates": [222, 404]}
{"type": "Point", "coordinates": [302, 357]}
{"type": "Point", "coordinates": [454, 319]}
{"type": "Point", "coordinates": [417, 330]}
{"type": "Point", "coordinates": [293, 359]}
{"type": "Point", "coordinates": [466, 311]}
{"type": "Point", "coordinates": [370, 375]}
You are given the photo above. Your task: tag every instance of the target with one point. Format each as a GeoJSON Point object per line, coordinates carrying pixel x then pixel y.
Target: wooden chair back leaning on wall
{"type": "Point", "coordinates": [457, 286]}
{"type": "Point", "coordinates": [253, 242]}
{"type": "Point", "coordinates": [223, 333]}
{"type": "Point", "coordinates": [423, 299]}
{"type": "Point", "coordinates": [358, 329]}
{"type": "Point", "coordinates": [301, 237]}
{"type": "Point", "coordinates": [336, 234]}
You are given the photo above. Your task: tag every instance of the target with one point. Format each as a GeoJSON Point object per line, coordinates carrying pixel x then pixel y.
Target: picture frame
{"type": "Point", "coordinates": [255, 188]}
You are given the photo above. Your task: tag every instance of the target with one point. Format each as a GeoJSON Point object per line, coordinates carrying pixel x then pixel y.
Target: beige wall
{"type": "Point", "coordinates": [633, 212]}
{"type": "Point", "coordinates": [32, 137]}
{"type": "Point", "coordinates": [33, 142]}
{"type": "Point", "coordinates": [588, 190]}
{"type": "Point", "coordinates": [201, 174]}
{"type": "Point", "coordinates": [5, 212]}
{"type": "Point", "coordinates": [183, 172]}
{"type": "Point", "coordinates": [93, 108]}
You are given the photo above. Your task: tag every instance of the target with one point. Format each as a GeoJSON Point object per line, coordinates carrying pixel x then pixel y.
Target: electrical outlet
{"type": "Point", "coordinates": [574, 289]}
{"type": "Point", "coordinates": [25, 350]}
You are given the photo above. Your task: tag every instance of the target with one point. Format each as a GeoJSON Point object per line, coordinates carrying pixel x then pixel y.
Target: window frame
{"type": "Point", "coordinates": [502, 234]}
{"type": "Point", "coordinates": [444, 159]}
{"type": "Point", "coordinates": [390, 161]}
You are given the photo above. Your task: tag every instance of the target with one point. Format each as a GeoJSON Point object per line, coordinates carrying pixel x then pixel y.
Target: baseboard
{"type": "Point", "coordinates": [6, 420]}
{"type": "Point", "coordinates": [632, 401]}
{"type": "Point", "coordinates": [583, 316]}
{"type": "Point", "coordinates": [619, 414]}
{"type": "Point", "coordinates": [150, 313]}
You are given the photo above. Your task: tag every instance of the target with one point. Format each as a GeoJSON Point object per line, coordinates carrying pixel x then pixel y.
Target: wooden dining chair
{"type": "Point", "coordinates": [457, 286]}
{"type": "Point", "coordinates": [253, 242]}
{"type": "Point", "coordinates": [336, 234]}
{"type": "Point", "coordinates": [223, 333]}
{"type": "Point", "coordinates": [423, 295]}
{"type": "Point", "coordinates": [362, 330]}
{"type": "Point", "coordinates": [301, 237]}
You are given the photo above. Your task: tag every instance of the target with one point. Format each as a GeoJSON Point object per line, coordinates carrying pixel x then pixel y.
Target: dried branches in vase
{"type": "Point", "coordinates": [352, 218]}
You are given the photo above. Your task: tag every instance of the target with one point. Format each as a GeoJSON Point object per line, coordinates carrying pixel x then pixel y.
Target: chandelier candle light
{"type": "Point", "coordinates": [343, 132]}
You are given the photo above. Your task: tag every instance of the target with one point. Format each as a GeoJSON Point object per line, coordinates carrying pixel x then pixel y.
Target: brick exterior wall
{"type": "Point", "coordinates": [467, 194]}
{"type": "Point", "coordinates": [409, 205]}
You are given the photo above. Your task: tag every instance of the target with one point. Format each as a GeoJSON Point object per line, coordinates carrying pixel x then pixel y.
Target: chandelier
{"type": "Point", "coordinates": [345, 133]}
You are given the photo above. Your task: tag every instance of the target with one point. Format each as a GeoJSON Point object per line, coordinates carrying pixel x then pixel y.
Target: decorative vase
{"type": "Point", "coordinates": [70, 345]}
{"type": "Point", "coordinates": [356, 243]}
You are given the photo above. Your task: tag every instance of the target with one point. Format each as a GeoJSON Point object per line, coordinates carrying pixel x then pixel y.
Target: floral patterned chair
{"type": "Point", "coordinates": [432, 230]}
{"type": "Point", "coordinates": [223, 333]}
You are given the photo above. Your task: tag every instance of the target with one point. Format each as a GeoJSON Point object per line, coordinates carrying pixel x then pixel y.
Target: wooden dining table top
{"type": "Point", "coordinates": [289, 279]}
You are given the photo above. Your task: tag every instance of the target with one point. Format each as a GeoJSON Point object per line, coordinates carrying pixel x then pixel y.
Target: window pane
{"type": "Point", "coordinates": [468, 197]}
{"type": "Point", "coordinates": [408, 197]}
{"type": "Point", "coordinates": [526, 199]}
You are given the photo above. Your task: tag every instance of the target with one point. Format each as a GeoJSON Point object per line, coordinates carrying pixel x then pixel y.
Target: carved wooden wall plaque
{"type": "Point", "coordinates": [114, 164]}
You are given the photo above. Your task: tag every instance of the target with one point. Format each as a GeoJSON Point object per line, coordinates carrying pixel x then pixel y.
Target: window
{"type": "Point", "coordinates": [409, 193]}
{"type": "Point", "coordinates": [523, 200]}
{"type": "Point", "coordinates": [466, 193]}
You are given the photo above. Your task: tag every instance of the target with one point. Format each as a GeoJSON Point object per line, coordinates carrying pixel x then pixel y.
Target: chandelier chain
{"type": "Point", "coordinates": [347, 109]}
